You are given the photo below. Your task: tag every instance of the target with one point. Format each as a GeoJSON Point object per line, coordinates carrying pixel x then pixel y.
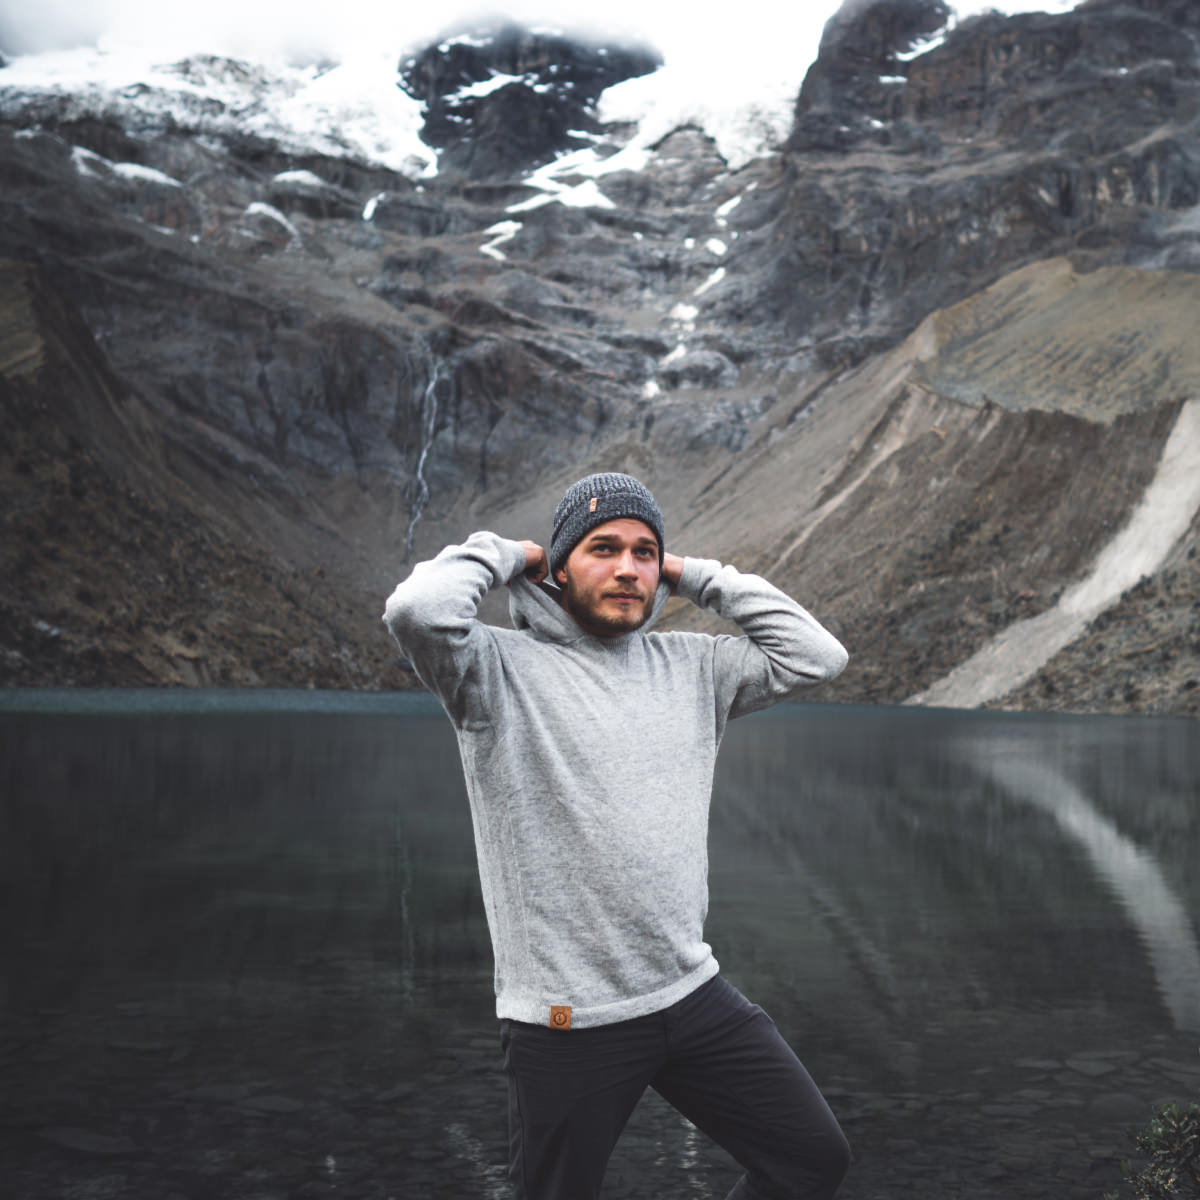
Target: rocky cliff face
{"type": "Point", "coordinates": [920, 365]}
{"type": "Point", "coordinates": [501, 101]}
{"type": "Point", "coordinates": [116, 571]}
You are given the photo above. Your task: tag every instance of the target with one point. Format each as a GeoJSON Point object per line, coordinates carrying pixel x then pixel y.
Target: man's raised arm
{"type": "Point", "coordinates": [433, 613]}
{"type": "Point", "coordinates": [785, 648]}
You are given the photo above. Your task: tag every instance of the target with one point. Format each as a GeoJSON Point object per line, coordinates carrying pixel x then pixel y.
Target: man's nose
{"type": "Point", "coordinates": [626, 564]}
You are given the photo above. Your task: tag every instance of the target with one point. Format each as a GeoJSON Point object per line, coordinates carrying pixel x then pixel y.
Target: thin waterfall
{"type": "Point", "coordinates": [429, 413]}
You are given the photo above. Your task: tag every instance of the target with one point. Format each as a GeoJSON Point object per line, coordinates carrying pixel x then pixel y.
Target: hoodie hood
{"type": "Point", "coordinates": [538, 608]}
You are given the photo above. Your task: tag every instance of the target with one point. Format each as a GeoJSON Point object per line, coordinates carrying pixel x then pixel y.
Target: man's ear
{"type": "Point", "coordinates": [561, 575]}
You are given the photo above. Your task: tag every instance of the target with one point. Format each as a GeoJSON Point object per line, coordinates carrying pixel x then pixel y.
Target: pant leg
{"type": "Point", "coordinates": [730, 1072]}
{"type": "Point", "coordinates": [570, 1093]}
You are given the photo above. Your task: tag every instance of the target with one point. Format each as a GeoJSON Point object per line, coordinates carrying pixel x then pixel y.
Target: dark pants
{"type": "Point", "coordinates": [715, 1056]}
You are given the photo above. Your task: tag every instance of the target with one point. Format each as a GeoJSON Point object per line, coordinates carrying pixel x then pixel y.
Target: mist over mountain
{"type": "Point", "coordinates": [905, 323]}
{"type": "Point", "coordinates": [716, 70]}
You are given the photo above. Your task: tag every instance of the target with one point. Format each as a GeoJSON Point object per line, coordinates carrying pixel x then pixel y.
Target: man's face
{"type": "Point", "coordinates": [610, 578]}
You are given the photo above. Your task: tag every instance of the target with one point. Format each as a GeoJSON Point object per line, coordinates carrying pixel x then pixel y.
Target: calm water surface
{"type": "Point", "coordinates": [244, 953]}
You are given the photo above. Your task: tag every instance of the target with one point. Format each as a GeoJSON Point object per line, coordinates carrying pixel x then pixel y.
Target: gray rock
{"type": "Point", "coordinates": [699, 369]}
{"type": "Point", "coordinates": [487, 131]}
{"type": "Point", "coordinates": [1120, 1107]}
{"type": "Point", "coordinates": [1093, 1068]}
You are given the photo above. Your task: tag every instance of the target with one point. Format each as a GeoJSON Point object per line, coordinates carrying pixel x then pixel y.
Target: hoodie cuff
{"type": "Point", "coordinates": [695, 574]}
{"type": "Point", "coordinates": [514, 558]}
{"type": "Point", "coordinates": [503, 557]}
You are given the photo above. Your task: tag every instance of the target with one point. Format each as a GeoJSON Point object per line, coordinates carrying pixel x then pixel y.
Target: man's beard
{"type": "Point", "coordinates": [585, 609]}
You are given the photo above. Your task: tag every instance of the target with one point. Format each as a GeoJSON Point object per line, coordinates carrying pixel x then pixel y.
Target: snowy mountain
{"type": "Point", "coordinates": [277, 328]}
{"type": "Point", "coordinates": [320, 83]}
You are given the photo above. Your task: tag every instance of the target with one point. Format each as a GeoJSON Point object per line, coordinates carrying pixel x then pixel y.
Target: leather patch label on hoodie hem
{"type": "Point", "coordinates": [560, 1016]}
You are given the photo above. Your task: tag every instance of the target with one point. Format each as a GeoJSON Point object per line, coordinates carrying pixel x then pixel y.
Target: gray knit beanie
{"type": "Point", "coordinates": [594, 500]}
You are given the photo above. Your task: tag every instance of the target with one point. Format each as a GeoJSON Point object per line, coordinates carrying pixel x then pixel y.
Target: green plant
{"type": "Point", "coordinates": [1172, 1148]}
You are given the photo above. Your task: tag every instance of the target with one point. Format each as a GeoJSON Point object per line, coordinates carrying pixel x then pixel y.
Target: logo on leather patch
{"type": "Point", "coordinates": [560, 1016]}
{"type": "Point", "coordinates": [592, 505]}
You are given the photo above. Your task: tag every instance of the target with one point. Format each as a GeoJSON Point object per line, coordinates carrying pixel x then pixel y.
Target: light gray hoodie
{"type": "Point", "coordinates": [589, 766]}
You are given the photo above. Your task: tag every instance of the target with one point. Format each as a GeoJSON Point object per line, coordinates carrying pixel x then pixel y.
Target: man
{"type": "Point", "coordinates": [588, 745]}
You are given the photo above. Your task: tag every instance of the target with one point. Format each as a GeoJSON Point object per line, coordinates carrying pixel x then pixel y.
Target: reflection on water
{"type": "Point", "coordinates": [245, 955]}
{"type": "Point", "coordinates": [1131, 873]}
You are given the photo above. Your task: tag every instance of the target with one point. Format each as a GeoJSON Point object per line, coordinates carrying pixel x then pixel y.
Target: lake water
{"type": "Point", "coordinates": [244, 954]}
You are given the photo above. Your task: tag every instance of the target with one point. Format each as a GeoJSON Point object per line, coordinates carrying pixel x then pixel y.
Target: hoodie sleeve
{"type": "Point", "coordinates": [785, 647]}
{"type": "Point", "coordinates": [433, 617]}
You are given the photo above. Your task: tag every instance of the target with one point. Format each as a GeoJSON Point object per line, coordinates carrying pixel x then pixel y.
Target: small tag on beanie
{"type": "Point", "coordinates": [560, 1016]}
{"type": "Point", "coordinates": [592, 504]}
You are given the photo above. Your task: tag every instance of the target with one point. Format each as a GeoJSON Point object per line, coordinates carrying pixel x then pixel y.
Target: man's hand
{"type": "Point", "coordinates": [672, 565]}
{"type": "Point", "coordinates": [536, 566]}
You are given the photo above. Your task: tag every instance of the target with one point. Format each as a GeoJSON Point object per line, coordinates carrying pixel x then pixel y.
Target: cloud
{"type": "Point", "coordinates": [760, 30]}
{"type": "Point", "coordinates": [722, 47]}
{"type": "Point", "coordinates": [29, 28]}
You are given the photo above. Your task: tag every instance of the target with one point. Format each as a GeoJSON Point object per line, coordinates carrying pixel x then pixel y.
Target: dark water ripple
{"type": "Point", "coordinates": [245, 955]}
